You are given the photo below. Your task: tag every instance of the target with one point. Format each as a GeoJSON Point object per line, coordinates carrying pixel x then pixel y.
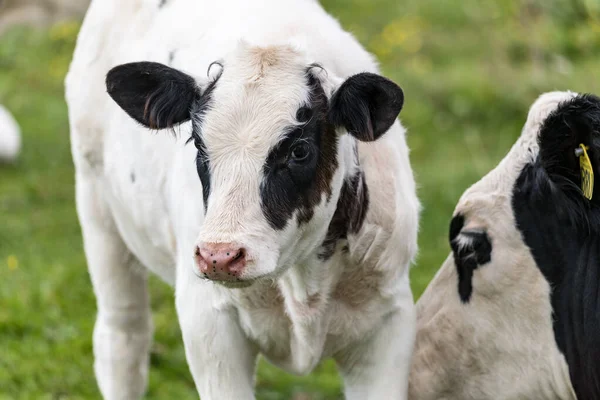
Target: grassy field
{"type": "Point", "coordinates": [469, 68]}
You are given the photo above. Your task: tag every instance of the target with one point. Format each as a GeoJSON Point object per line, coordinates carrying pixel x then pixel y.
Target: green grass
{"type": "Point", "coordinates": [469, 68]}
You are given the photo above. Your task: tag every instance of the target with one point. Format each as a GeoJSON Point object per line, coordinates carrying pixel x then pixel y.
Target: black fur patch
{"type": "Point", "coordinates": [366, 105]}
{"type": "Point", "coordinates": [290, 185]}
{"type": "Point", "coordinates": [562, 229]}
{"type": "Point", "coordinates": [349, 216]}
{"type": "Point", "coordinates": [456, 225]}
{"type": "Point", "coordinates": [203, 168]}
{"type": "Point", "coordinates": [202, 158]}
{"type": "Point", "coordinates": [172, 56]}
{"type": "Point", "coordinates": [470, 249]}
{"type": "Point", "coordinates": [153, 94]}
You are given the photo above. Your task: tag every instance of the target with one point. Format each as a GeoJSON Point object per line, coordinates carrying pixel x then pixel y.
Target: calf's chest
{"type": "Point", "coordinates": [349, 313]}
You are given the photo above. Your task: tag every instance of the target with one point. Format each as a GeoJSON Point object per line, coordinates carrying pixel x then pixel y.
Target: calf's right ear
{"type": "Point", "coordinates": [155, 95]}
{"type": "Point", "coordinates": [573, 124]}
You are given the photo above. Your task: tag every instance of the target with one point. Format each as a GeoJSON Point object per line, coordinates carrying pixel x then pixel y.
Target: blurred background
{"type": "Point", "coordinates": [469, 69]}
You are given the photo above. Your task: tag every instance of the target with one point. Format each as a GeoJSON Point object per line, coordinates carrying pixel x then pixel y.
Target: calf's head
{"type": "Point", "coordinates": [273, 154]}
{"type": "Point", "coordinates": [514, 311]}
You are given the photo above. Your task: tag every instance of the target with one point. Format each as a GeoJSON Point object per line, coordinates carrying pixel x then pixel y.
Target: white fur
{"type": "Point", "coordinates": [501, 344]}
{"type": "Point", "coordinates": [140, 200]}
{"type": "Point", "coordinates": [10, 136]}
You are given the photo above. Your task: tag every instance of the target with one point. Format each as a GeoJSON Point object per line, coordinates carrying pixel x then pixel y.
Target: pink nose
{"type": "Point", "coordinates": [221, 261]}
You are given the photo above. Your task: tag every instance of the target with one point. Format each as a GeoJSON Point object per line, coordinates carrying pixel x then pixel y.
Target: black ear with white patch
{"type": "Point", "coordinates": [366, 105]}
{"type": "Point", "coordinates": [153, 94]}
{"type": "Point", "coordinates": [471, 249]}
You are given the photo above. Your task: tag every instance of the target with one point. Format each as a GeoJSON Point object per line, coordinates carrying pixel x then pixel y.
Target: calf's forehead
{"type": "Point", "coordinates": [255, 100]}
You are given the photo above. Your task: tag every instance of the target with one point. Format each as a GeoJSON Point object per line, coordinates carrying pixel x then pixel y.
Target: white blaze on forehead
{"type": "Point", "coordinates": [252, 106]}
{"type": "Point", "coordinates": [255, 100]}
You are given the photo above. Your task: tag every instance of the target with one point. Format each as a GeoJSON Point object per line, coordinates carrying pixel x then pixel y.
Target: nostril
{"type": "Point", "coordinates": [238, 255]}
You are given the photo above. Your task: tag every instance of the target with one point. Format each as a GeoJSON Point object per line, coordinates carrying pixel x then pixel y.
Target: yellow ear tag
{"type": "Point", "coordinates": [587, 172]}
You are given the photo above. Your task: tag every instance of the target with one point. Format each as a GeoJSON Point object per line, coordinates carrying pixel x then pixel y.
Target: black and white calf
{"type": "Point", "coordinates": [286, 224]}
{"type": "Point", "coordinates": [514, 312]}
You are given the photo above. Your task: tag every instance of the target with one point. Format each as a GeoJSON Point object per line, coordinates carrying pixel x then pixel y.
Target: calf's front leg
{"type": "Point", "coordinates": [379, 367]}
{"type": "Point", "coordinates": [123, 329]}
{"type": "Point", "coordinates": [221, 358]}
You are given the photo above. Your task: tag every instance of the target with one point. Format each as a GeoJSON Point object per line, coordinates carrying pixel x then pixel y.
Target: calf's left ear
{"type": "Point", "coordinates": [366, 105]}
{"type": "Point", "coordinates": [574, 123]}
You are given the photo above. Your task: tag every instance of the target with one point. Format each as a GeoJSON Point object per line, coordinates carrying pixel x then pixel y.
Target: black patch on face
{"type": "Point", "coordinates": [471, 249]}
{"type": "Point", "coordinates": [203, 168]}
{"type": "Point", "coordinates": [162, 3]}
{"type": "Point", "coordinates": [349, 216]}
{"type": "Point", "coordinates": [202, 159]}
{"type": "Point", "coordinates": [171, 56]}
{"type": "Point", "coordinates": [456, 225]}
{"type": "Point", "coordinates": [298, 171]}
{"type": "Point", "coordinates": [562, 230]}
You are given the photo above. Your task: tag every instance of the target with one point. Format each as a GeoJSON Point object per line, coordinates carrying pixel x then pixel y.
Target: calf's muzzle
{"type": "Point", "coordinates": [220, 261]}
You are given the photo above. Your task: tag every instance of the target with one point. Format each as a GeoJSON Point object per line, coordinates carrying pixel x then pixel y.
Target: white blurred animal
{"type": "Point", "coordinates": [10, 136]}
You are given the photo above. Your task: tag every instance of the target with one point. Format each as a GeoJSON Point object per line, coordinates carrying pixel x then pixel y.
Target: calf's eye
{"type": "Point", "coordinates": [299, 153]}
{"type": "Point", "coordinates": [303, 114]}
